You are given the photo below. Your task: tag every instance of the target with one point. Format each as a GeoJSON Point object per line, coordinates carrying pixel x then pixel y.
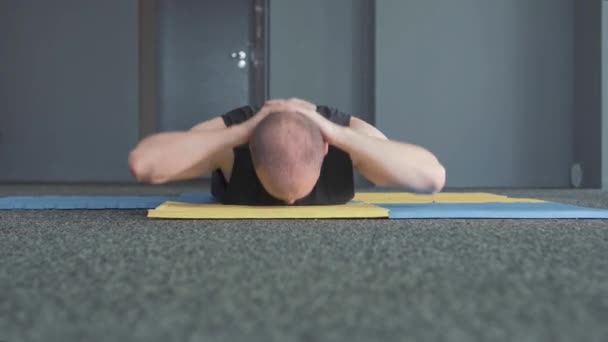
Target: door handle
{"type": "Point", "coordinates": [241, 56]}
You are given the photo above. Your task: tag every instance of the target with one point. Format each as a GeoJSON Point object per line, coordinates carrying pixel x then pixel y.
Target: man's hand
{"type": "Point", "coordinates": [292, 105]}
{"type": "Point", "coordinates": [309, 110]}
{"type": "Point", "coordinates": [249, 125]}
{"type": "Point", "coordinates": [329, 129]}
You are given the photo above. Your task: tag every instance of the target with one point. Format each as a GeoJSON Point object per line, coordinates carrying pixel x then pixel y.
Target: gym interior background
{"type": "Point", "coordinates": [506, 93]}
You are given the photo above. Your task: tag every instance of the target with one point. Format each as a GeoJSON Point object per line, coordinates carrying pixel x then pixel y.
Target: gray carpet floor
{"type": "Point", "coordinates": [118, 276]}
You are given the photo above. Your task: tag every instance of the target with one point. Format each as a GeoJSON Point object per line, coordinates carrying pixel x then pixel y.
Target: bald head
{"type": "Point", "coordinates": [287, 150]}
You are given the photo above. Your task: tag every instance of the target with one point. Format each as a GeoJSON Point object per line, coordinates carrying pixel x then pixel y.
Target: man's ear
{"type": "Point", "coordinates": [325, 148]}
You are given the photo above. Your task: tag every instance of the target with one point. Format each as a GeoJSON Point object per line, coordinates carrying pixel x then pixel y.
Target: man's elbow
{"type": "Point", "coordinates": [142, 169]}
{"type": "Point", "coordinates": [437, 178]}
{"type": "Point", "coordinates": [432, 180]}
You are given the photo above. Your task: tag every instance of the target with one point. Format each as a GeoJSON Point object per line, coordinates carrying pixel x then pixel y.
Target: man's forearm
{"type": "Point", "coordinates": [387, 162]}
{"type": "Point", "coordinates": [171, 156]}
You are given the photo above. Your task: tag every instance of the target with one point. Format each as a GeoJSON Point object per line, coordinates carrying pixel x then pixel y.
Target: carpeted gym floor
{"type": "Point", "coordinates": [118, 276]}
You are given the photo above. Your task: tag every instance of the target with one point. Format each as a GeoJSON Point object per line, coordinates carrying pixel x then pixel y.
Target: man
{"type": "Point", "coordinates": [289, 152]}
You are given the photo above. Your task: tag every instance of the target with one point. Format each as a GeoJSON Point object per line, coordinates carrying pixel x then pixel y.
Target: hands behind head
{"type": "Point", "coordinates": [303, 107]}
{"type": "Point", "coordinates": [293, 104]}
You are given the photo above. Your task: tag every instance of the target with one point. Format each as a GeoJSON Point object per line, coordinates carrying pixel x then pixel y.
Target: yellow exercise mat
{"type": "Point", "coordinates": [177, 210]}
{"type": "Point", "coordinates": [442, 197]}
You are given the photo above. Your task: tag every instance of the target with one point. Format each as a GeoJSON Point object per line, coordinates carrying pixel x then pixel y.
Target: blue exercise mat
{"type": "Point", "coordinates": [397, 211]}
{"type": "Point", "coordinates": [196, 197]}
{"type": "Point", "coordinates": [98, 202]}
{"type": "Point", "coordinates": [545, 210]}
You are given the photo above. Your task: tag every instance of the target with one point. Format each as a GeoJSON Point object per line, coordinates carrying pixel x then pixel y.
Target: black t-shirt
{"type": "Point", "coordinates": [334, 186]}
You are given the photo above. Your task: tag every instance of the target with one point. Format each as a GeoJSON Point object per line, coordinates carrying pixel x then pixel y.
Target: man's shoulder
{"type": "Point", "coordinates": [334, 115]}
{"type": "Point", "coordinates": [238, 115]}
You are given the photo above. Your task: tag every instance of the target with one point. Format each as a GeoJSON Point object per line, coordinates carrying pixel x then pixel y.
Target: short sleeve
{"type": "Point", "coordinates": [334, 115]}
{"type": "Point", "coordinates": [238, 115]}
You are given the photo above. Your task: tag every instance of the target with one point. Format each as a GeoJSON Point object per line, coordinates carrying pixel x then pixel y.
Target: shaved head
{"type": "Point", "coordinates": [287, 150]}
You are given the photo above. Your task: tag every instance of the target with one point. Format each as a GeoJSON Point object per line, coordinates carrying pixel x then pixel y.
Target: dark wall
{"type": "Point", "coordinates": [69, 82]}
{"type": "Point", "coordinates": [587, 114]}
{"type": "Point", "coordinates": [486, 85]}
{"type": "Point", "coordinates": [320, 50]}
{"type": "Point", "coordinates": [68, 89]}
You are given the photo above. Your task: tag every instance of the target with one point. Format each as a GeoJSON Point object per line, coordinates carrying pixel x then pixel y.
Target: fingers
{"type": "Point", "coordinates": [303, 103]}
{"type": "Point", "coordinates": [276, 102]}
{"type": "Point", "coordinates": [271, 102]}
{"type": "Point", "coordinates": [303, 107]}
{"type": "Point", "coordinates": [292, 104]}
{"type": "Point", "coordinates": [269, 106]}
{"type": "Point", "coordinates": [279, 106]}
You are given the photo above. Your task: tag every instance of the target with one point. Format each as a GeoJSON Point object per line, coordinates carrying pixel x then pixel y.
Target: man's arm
{"type": "Point", "coordinates": [172, 156]}
{"type": "Point", "coordinates": [210, 125]}
{"type": "Point", "coordinates": [365, 128]}
{"type": "Point", "coordinates": [382, 161]}
{"type": "Point", "coordinates": [387, 162]}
